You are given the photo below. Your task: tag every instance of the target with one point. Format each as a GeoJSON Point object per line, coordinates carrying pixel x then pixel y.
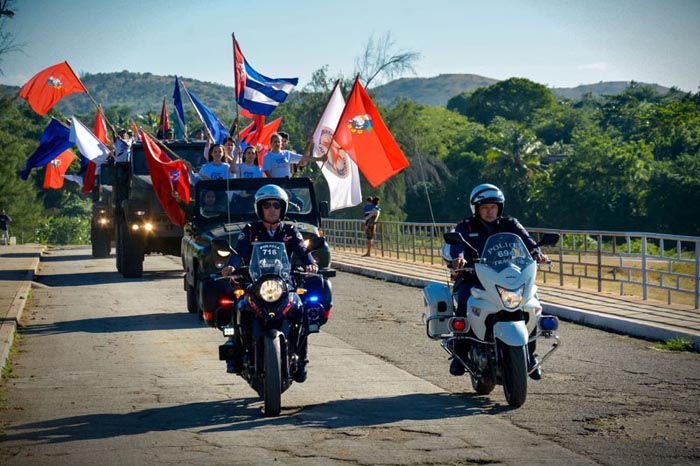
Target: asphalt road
{"type": "Point", "coordinates": [114, 371]}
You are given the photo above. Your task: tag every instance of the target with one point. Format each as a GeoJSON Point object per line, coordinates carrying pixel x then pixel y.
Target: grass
{"type": "Point", "coordinates": [7, 370]}
{"type": "Point", "coordinates": [677, 344]}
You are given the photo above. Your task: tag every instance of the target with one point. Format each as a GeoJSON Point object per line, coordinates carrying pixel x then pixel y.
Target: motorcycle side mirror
{"type": "Point", "coordinates": [452, 237]}
{"type": "Point", "coordinates": [445, 253]}
{"type": "Point", "coordinates": [316, 243]}
{"type": "Point", "coordinates": [548, 239]}
{"type": "Point", "coordinates": [324, 209]}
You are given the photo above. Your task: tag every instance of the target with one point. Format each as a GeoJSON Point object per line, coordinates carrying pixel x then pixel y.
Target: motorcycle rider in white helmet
{"type": "Point", "coordinates": [486, 202]}
{"type": "Point", "coordinates": [271, 204]}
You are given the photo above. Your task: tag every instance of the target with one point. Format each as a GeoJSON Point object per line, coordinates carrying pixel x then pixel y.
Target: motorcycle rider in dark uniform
{"type": "Point", "coordinates": [486, 202]}
{"type": "Point", "coordinates": [271, 204]}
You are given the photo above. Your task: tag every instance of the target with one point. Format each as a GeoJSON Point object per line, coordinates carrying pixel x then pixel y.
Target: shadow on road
{"type": "Point", "coordinates": [134, 323]}
{"type": "Point", "coordinates": [102, 278]}
{"type": "Point", "coordinates": [244, 414]}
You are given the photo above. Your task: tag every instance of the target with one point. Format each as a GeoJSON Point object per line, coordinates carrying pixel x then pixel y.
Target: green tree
{"type": "Point", "coordinates": [601, 186]}
{"type": "Point", "coordinates": [513, 163]}
{"type": "Point", "coordinates": [514, 99]}
{"type": "Point", "coordinates": [673, 203]}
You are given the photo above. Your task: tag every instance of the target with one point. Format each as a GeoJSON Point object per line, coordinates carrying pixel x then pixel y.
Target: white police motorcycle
{"type": "Point", "coordinates": [503, 315]}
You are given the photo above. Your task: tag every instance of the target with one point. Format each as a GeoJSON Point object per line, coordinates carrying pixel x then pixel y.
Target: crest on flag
{"type": "Point", "coordinates": [175, 176]}
{"type": "Point", "coordinates": [360, 123]}
{"type": "Point", "coordinates": [55, 163]}
{"type": "Point", "coordinates": [337, 157]}
{"type": "Point", "coordinates": [55, 82]}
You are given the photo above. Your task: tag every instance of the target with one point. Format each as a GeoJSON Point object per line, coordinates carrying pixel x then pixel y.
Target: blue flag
{"type": "Point", "coordinates": [54, 140]}
{"type": "Point", "coordinates": [177, 99]}
{"type": "Point", "coordinates": [256, 92]}
{"type": "Point", "coordinates": [216, 128]}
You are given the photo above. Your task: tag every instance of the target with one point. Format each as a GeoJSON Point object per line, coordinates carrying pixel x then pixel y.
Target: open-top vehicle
{"type": "Point", "coordinates": [221, 209]}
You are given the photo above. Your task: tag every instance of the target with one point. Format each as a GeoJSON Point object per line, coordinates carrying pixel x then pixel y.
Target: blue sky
{"type": "Point", "coordinates": [559, 43]}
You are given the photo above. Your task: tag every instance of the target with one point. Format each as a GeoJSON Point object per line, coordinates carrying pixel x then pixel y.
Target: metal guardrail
{"type": "Point", "coordinates": [650, 265]}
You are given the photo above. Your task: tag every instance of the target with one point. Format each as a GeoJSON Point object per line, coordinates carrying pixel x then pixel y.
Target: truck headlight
{"type": "Point", "coordinates": [271, 290]}
{"type": "Point", "coordinates": [148, 227]}
{"type": "Point", "coordinates": [511, 298]}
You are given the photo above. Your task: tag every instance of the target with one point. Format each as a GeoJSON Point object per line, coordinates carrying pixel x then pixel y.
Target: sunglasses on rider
{"type": "Point", "coordinates": [273, 204]}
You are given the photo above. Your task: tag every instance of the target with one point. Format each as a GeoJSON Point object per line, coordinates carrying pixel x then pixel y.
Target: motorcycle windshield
{"type": "Point", "coordinates": [504, 250]}
{"type": "Point", "coordinates": [269, 259]}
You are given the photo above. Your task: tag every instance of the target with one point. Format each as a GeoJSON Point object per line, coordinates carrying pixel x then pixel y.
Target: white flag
{"type": "Point", "coordinates": [339, 170]}
{"type": "Point", "coordinates": [92, 148]}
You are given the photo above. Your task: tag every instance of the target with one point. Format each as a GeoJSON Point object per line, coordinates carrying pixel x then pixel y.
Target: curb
{"type": "Point", "coordinates": [8, 326]}
{"type": "Point", "coordinates": [578, 316]}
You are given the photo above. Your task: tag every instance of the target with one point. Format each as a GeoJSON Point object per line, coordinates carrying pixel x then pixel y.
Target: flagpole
{"type": "Point", "coordinates": [161, 144]}
{"type": "Point", "coordinates": [97, 106]}
{"type": "Point", "coordinates": [235, 100]}
{"type": "Point", "coordinates": [206, 128]}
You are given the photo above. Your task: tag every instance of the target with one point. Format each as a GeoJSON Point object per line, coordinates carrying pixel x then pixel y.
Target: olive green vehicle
{"type": "Point", "coordinates": [213, 230]}
{"type": "Point", "coordinates": [127, 211]}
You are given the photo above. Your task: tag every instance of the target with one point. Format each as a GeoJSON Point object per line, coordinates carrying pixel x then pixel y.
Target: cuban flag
{"type": "Point", "coordinates": [256, 92]}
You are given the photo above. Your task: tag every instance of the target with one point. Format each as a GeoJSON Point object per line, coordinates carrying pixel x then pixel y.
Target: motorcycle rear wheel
{"type": "Point", "coordinates": [272, 390]}
{"type": "Point", "coordinates": [514, 360]}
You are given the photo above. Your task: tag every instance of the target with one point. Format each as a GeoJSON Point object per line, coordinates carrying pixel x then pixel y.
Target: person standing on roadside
{"type": "Point", "coordinates": [371, 224]}
{"type": "Point", "coordinates": [5, 221]}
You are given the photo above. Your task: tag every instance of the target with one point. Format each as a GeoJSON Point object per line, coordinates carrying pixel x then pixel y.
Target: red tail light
{"type": "Point", "coordinates": [226, 302]}
{"type": "Point", "coordinates": [458, 324]}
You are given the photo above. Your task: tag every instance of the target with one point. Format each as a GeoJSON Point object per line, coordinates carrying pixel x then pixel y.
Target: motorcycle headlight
{"type": "Point", "coordinates": [511, 298]}
{"type": "Point", "coordinates": [271, 290]}
{"type": "Point", "coordinates": [223, 252]}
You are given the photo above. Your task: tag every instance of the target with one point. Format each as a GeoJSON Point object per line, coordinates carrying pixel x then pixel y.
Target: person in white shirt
{"type": "Point", "coordinates": [249, 168]}
{"type": "Point", "coordinates": [215, 169]}
{"type": "Point", "coordinates": [277, 162]}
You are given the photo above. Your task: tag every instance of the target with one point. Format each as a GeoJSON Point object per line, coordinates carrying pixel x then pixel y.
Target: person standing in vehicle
{"type": "Point", "coordinates": [5, 221]}
{"type": "Point", "coordinates": [271, 203]}
{"type": "Point", "coordinates": [277, 163]}
{"type": "Point", "coordinates": [215, 168]}
{"type": "Point", "coordinates": [486, 202]}
{"type": "Point", "coordinates": [249, 168]}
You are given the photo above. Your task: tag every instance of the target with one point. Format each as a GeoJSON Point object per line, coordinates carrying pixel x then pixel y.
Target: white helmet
{"type": "Point", "coordinates": [271, 191]}
{"type": "Point", "coordinates": [486, 194]}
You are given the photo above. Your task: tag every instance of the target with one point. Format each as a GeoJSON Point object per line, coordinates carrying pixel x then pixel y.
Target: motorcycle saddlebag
{"type": "Point", "coordinates": [318, 301]}
{"type": "Point", "coordinates": [216, 298]}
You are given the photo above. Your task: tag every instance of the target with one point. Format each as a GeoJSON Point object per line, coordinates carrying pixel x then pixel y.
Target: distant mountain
{"type": "Point", "coordinates": [439, 89]}
{"type": "Point", "coordinates": [144, 92]}
{"type": "Point", "coordinates": [429, 91]}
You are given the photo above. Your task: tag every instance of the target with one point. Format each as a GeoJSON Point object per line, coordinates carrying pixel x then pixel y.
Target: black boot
{"type": "Point", "coordinates": [456, 368]}
{"type": "Point", "coordinates": [300, 374]}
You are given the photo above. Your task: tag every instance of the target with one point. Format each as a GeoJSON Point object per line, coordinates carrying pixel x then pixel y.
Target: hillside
{"type": "Point", "coordinates": [430, 91]}
{"type": "Point", "coordinates": [144, 92]}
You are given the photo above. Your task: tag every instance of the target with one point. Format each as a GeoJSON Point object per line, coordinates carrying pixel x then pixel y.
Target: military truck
{"type": "Point", "coordinates": [211, 231]}
{"type": "Point", "coordinates": [127, 211]}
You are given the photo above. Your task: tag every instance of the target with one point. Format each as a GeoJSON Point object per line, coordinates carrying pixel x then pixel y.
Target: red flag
{"type": "Point", "coordinates": [262, 141]}
{"type": "Point", "coordinates": [248, 130]}
{"type": "Point", "coordinates": [164, 124]}
{"type": "Point", "coordinates": [245, 113]}
{"type": "Point", "coordinates": [167, 176]}
{"type": "Point", "coordinates": [56, 169]}
{"type": "Point", "coordinates": [100, 129]}
{"type": "Point", "coordinates": [136, 130]}
{"type": "Point", "coordinates": [365, 137]}
{"type": "Point", "coordinates": [49, 86]}
{"type": "Point", "coordinates": [238, 69]}
{"type": "Point", "coordinates": [89, 178]}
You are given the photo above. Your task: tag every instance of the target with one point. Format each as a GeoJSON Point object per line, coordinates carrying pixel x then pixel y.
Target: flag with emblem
{"type": "Point", "coordinates": [340, 171]}
{"type": "Point", "coordinates": [167, 176]}
{"type": "Point", "coordinates": [56, 170]}
{"type": "Point", "coordinates": [364, 136]}
{"type": "Point", "coordinates": [54, 140]}
{"type": "Point", "coordinates": [49, 86]}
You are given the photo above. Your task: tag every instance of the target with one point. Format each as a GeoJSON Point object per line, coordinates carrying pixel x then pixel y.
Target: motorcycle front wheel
{"type": "Point", "coordinates": [514, 360]}
{"type": "Point", "coordinates": [272, 392]}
